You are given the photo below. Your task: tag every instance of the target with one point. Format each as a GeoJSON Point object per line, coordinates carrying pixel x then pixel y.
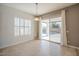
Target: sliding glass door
{"type": "Point", "coordinates": [51, 29]}
{"type": "Point", "coordinates": [55, 28]}
{"type": "Point", "coordinates": [44, 29]}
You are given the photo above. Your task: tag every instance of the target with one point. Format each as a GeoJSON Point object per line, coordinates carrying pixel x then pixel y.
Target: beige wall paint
{"type": "Point", "coordinates": [7, 37]}
{"type": "Point", "coordinates": [36, 29]}
{"type": "Point", "coordinates": [72, 22]}
{"type": "Point", "coordinates": [51, 15]}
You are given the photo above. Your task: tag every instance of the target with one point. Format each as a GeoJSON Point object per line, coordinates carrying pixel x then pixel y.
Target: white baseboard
{"type": "Point", "coordinates": [73, 46]}
{"type": "Point", "coordinates": [19, 42]}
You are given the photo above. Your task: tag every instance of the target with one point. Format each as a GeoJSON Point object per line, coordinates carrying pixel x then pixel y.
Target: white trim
{"type": "Point", "coordinates": [15, 43]}
{"type": "Point", "coordinates": [64, 37]}
{"type": "Point", "coordinates": [73, 47]}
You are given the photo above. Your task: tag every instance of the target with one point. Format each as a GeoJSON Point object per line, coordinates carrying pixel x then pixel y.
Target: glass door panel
{"type": "Point", "coordinates": [44, 29]}
{"type": "Point", "coordinates": [55, 30]}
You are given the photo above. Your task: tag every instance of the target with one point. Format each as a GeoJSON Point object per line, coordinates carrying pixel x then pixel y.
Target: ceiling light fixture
{"type": "Point", "coordinates": [37, 17]}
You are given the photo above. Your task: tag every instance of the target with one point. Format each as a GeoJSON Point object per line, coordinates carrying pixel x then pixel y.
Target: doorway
{"type": "Point", "coordinates": [44, 29]}
{"type": "Point", "coordinates": [51, 29]}
{"type": "Point", "coordinates": [55, 29]}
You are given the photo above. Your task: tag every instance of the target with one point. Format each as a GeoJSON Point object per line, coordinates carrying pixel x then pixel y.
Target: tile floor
{"type": "Point", "coordinates": [38, 48]}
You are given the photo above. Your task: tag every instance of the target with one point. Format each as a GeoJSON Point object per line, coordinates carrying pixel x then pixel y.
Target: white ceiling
{"type": "Point", "coordinates": [42, 7]}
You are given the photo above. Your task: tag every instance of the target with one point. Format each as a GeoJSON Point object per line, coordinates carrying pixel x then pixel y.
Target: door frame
{"type": "Point", "coordinates": [63, 32]}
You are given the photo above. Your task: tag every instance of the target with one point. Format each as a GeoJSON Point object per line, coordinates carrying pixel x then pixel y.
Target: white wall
{"type": "Point", "coordinates": [7, 37]}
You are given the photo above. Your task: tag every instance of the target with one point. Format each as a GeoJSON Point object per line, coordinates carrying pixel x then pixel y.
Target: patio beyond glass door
{"type": "Point", "coordinates": [55, 28]}
{"type": "Point", "coordinates": [44, 27]}
{"type": "Point", "coordinates": [51, 29]}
